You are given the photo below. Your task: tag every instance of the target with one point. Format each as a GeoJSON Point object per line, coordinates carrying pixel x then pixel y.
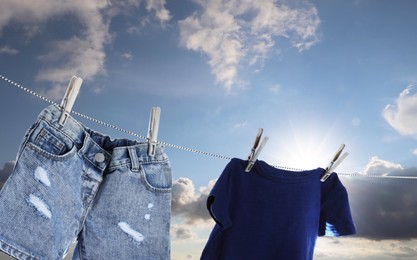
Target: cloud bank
{"type": "Point", "coordinates": [364, 249]}
{"type": "Point", "coordinates": [5, 172]}
{"type": "Point", "coordinates": [8, 50]}
{"type": "Point", "coordinates": [230, 31]}
{"type": "Point", "coordinates": [384, 208]}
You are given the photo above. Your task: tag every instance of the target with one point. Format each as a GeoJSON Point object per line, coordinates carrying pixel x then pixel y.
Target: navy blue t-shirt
{"type": "Point", "coordinates": [271, 213]}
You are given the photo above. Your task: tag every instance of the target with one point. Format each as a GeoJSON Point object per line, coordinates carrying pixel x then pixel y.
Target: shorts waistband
{"type": "Point", "coordinates": [113, 152]}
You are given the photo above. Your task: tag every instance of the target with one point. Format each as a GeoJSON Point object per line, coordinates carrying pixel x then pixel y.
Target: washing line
{"type": "Point", "coordinates": [29, 91]}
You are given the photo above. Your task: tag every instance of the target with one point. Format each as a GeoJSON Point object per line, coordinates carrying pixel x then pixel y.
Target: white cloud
{"type": "Point", "coordinates": [415, 152]}
{"type": "Point", "coordinates": [402, 116]}
{"type": "Point", "coordinates": [97, 89]}
{"type": "Point", "coordinates": [188, 203]}
{"type": "Point", "coordinates": [127, 56]}
{"type": "Point", "coordinates": [378, 166]}
{"type": "Point", "coordinates": [158, 6]}
{"type": "Point", "coordinates": [182, 232]}
{"type": "Point", "coordinates": [82, 54]}
{"type": "Point", "coordinates": [240, 125]}
{"type": "Point", "coordinates": [8, 50]}
{"type": "Point", "coordinates": [83, 57]}
{"type": "Point", "coordinates": [229, 31]}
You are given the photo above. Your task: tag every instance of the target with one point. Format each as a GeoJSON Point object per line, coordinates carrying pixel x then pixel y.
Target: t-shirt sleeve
{"type": "Point", "coordinates": [335, 217]}
{"type": "Point", "coordinates": [218, 201]}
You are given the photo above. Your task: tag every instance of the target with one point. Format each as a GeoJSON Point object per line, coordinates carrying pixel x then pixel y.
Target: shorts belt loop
{"type": "Point", "coordinates": [133, 159]}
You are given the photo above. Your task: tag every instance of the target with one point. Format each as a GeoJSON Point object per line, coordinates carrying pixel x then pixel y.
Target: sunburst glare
{"type": "Point", "coordinates": [303, 147]}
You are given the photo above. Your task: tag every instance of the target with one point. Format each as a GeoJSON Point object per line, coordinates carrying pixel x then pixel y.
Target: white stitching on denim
{"type": "Point", "coordinates": [355, 174]}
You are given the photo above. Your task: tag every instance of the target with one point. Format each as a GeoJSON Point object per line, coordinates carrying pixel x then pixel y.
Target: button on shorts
{"type": "Point", "coordinates": [72, 183]}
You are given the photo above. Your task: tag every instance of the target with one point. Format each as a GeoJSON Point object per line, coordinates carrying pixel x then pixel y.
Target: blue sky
{"type": "Point", "coordinates": [313, 74]}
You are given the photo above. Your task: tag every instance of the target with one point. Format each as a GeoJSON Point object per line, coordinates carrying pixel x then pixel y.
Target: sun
{"type": "Point", "coordinates": [303, 148]}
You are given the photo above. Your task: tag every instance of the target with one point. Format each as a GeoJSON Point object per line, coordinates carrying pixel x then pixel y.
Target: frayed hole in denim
{"type": "Point", "coordinates": [40, 205]}
{"type": "Point", "coordinates": [42, 176]}
{"type": "Point", "coordinates": [138, 237]}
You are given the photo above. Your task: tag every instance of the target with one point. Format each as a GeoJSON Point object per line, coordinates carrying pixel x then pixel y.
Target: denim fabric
{"type": "Point", "coordinates": [70, 183]}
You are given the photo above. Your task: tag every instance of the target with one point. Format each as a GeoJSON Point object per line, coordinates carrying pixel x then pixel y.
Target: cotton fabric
{"type": "Point", "coordinates": [271, 213]}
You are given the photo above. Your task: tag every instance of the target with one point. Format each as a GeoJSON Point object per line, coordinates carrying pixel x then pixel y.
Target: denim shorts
{"type": "Point", "coordinates": [71, 183]}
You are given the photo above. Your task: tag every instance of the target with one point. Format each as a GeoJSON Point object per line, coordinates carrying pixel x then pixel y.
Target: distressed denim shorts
{"type": "Point", "coordinates": [71, 183]}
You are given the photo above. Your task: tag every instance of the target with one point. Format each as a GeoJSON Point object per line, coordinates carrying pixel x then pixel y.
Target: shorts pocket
{"type": "Point", "coordinates": [50, 143]}
{"type": "Point", "coordinates": [44, 153]}
{"type": "Point", "coordinates": [47, 141]}
{"type": "Point", "coordinates": [157, 176]}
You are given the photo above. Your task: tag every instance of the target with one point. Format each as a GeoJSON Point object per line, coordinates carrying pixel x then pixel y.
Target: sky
{"type": "Point", "coordinates": [312, 74]}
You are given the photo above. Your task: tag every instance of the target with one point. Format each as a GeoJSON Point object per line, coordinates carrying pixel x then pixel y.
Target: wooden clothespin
{"type": "Point", "coordinates": [256, 150]}
{"type": "Point", "coordinates": [70, 96]}
{"type": "Point", "coordinates": [153, 130]}
{"type": "Point", "coordinates": [336, 160]}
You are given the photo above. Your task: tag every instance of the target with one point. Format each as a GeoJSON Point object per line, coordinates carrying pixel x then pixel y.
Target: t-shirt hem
{"type": "Point", "coordinates": [346, 231]}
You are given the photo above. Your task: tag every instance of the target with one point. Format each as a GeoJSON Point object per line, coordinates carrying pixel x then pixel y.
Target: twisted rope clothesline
{"type": "Point", "coordinates": [178, 146]}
